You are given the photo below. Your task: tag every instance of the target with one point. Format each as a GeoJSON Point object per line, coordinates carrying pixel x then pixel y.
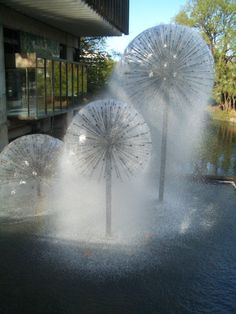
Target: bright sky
{"type": "Point", "coordinates": [145, 14]}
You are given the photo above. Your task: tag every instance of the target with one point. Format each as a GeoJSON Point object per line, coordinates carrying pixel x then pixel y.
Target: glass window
{"type": "Point", "coordinates": [84, 80]}
{"type": "Point", "coordinates": [70, 84]}
{"type": "Point", "coordinates": [32, 92]}
{"type": "Point", "coordinates": [80, 78]}
{"type": "Point", "coordinates": [40, 87]}
{"type": "Point", "coordinates": [16, 91]}
{"type": "Point", "coordinates": [49, 86]}
{"type": "Point", "coordinates": [13, 84]}
{"type": "Point", "coordinates": [57, 85]}
{"type": "Point", "coordinates": [63, 85]}
{"type": "Point", "coordinates": [75, 84]}
{"type": "Point", "coordinates": [76, 54]}
{"type": "Point", "coordinates": [63, 51]}
{"type": "Point", "coordinates": [11, 41]}
{"type": "Point", "coordinates": [40, 63]}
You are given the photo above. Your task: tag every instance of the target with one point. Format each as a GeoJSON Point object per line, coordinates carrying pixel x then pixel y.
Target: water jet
{"type": "Point", "coordinates": [29, 162]}
{"type": "Point", "coordinates": [172, 65]}
{"type": "Point", "coordinates": [105, 137]}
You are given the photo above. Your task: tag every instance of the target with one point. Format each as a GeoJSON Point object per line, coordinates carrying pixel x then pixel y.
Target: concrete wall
{"type": "Point", "coordinates": [15, 20]}
{"type": "Point", "coordinates": [3, 117]}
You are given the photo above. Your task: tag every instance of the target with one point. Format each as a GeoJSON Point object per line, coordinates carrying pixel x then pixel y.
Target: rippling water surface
{"type": "Point", "coordinates": [185, 264]}
{"type": "Point", "coordinates": [218, 151]}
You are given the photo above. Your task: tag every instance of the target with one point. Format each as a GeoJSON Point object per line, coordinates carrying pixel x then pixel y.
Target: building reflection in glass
{"type": "Point", "coordinates": [37, 87]}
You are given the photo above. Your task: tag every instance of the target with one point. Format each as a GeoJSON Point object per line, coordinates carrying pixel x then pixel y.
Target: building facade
{"type": "Point", "coordinates": [42, 81]}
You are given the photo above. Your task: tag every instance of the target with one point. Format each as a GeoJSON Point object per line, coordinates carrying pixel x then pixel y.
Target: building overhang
{"type": "Point", "coordinates": [72, 16]}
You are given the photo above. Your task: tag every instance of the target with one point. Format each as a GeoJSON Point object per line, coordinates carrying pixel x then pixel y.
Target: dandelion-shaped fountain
{"type": "Point", "coordinates": [30, 159]}
{"type": "Point", "coordinates": [105, 137]}
{"type": "Point", "coordinates": [172, 65]}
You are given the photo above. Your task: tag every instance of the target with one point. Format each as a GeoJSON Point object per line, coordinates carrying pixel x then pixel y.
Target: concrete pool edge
{"type": "Point", "coordinates": [214, 179]}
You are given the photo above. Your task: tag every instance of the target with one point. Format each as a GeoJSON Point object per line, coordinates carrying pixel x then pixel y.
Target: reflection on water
{"type": "Point", "coordinates": [218, 150]}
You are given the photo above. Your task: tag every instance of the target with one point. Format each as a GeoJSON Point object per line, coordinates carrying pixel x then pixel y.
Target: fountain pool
{"type": "Point", "coordinates": [191, 269]}
{"type": "Point", "coordinates": [177, 256]}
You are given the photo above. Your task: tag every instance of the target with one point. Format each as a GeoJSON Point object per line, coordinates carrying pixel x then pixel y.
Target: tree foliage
{"type": "Point", "coordinates": [100, 63]}
{"type": "Point", "coordinates": [216, 21]}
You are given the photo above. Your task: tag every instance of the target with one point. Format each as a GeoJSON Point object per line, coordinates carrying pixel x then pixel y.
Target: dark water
{"type": "Point", "coordinates": [218, 150]}
{"type": "Point", "coordinates": [183, 272]}
{"type": "Point", "coordinates": [180, 272]}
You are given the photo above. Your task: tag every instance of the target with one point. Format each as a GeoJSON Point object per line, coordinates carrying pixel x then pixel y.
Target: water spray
{"type": "Point", "coordinates": [171, 64]}
{"type": "Point", "coordinates": [30, 159]}
{"type": "Point", "coordinates": [108, 138]}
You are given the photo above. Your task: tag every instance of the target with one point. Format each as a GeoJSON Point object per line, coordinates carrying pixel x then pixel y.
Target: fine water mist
{"type": "Point", "coordinates": [176, 255]}
{"type": "Point", "coordinates": [165, 67]}
{"type": "Point", "coordinates": [174, 70]}
{"type": "Point", "coordinates": [107, 142]}
{"type": "Point", "coordinates": [137, 214]}
{"type": "Point", "coordinates": [28, 168]}
{"type": "Point", "coordinates": [168, 70]}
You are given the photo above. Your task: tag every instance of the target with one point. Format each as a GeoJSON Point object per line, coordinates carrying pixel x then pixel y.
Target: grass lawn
{"type": "Point", "coordinates": [223, 115]}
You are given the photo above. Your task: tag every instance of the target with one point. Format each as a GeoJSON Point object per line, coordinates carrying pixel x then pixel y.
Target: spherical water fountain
{"type": "Point", "coordinates": [172, 65]}
{"type": "Point", "coordinates": [108, 137]}
{"type": "Point", "coordinates": [29, 161]}
{"type": "Point", "coordinates": [195, 239]}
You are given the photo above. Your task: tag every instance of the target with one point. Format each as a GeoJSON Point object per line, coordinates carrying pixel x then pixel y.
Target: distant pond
{"type": "Point", "coordinates": [218, 149]}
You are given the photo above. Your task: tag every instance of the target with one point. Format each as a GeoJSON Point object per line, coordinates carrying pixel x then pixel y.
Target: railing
{"type": "Point", "coordinates": [52, 87]}
{"type": "Point", "coordinates": [115, 11]}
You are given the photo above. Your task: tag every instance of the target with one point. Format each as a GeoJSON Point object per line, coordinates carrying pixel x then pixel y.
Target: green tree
{"type": "Point", "coordinates": [100, 63]}
{"type": "Point", "coordinates": [216, 21]}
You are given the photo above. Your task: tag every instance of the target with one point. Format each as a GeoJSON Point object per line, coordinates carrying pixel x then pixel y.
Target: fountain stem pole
{"type": "Point", "coordinates": [108, 194]}
{"type": "Point", "coordinates": [39, 197]}
{"type": "Point", "coordinates": [163, 150]}
{"type": "Point", "coordinates": [38, 188]}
